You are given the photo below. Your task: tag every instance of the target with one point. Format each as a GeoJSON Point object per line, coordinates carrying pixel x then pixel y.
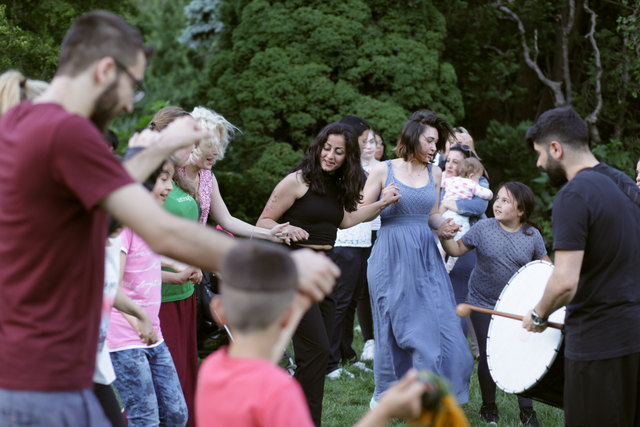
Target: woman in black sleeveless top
{"type": "Point", "coordinates": [320, 195]}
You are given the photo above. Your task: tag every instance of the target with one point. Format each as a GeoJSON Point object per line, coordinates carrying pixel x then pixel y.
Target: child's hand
{"type": "Point", "coordinates": [196, 276]}
{"type": "Point", "coordinates": [404, 398]}
{"type": "Point", "coordinates": [448, 229]}
{"type": "Point", "coordinates": [185, 275]}
{"type": "Point", "coordinates": [142, 325]}
{"type": "Point", "coordinates": [146, 332]}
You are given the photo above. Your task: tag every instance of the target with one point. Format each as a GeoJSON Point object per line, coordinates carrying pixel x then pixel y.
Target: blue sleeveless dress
{"type": "Point", "coordinates": [415, 323]}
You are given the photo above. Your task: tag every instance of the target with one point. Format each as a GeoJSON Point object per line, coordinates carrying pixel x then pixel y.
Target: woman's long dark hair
{"type": "Point", "coordinates": [349, 178]}
{"type": "Point", "coordinates": [526, 202]}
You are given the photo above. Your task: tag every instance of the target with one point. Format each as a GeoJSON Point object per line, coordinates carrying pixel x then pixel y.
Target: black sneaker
{"type": "Point", "coordinates": [528, 417]}
{"type": "Point", "coordinates": [489, 413]}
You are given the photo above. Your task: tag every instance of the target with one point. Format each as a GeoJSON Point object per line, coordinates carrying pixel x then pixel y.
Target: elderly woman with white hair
{"type": "Point", "coordinates": [197, 179]}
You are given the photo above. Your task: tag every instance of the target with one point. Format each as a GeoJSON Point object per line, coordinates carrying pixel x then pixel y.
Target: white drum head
{"type": "Point", "coordinates": [518, 359]}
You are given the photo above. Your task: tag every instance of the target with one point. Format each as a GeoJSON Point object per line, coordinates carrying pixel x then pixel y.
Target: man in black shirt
{"type": "Point", "coordinates": [596, 226]}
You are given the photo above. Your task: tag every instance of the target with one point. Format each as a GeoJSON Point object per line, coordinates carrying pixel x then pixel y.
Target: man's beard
{"type": "Point", "coordinates": [104, 107]}
{"type": "Point", "coordinates": [556, 172]}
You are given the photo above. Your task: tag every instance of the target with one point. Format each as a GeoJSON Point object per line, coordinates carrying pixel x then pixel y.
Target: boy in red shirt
{"type": "Point", "coordinates": [242, 385]}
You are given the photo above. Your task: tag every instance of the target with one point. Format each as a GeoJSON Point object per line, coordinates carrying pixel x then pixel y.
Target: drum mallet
{"type": "Point", "coordinates": [464, 310]}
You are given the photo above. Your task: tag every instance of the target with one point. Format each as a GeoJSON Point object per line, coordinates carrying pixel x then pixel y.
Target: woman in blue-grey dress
{"type": "Point", "coordinates": [414, 316]}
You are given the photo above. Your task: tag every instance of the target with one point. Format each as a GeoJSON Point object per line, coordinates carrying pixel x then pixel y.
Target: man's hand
{"type": "Point", "coordinates": [528, 324]}
{"type": "Point", "coordinates": [317, 274]}
{"type": "Point", "coordinates": [183, 132]}
{"type": "Point", "coordinates": [143, 139]}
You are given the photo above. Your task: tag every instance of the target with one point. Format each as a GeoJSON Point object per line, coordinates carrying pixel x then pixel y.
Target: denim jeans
{"type": "Point", "coordinates": [51, 408]}
{"type": "Point", "coordinates": [148, 387]}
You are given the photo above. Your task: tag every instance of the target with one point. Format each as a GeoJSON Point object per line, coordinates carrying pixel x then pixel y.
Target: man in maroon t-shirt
{"type": "Point", "coordinates": [57, 180]}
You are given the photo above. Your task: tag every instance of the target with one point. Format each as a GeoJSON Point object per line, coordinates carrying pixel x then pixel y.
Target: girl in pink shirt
{"type": "Point", "coordinates": [146, 378]}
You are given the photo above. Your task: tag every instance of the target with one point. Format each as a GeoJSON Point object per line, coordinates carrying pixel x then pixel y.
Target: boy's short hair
{"type": "Point", "coordinates": [258, 282]}
{"type": "Point", "coordinates": [470, 165]}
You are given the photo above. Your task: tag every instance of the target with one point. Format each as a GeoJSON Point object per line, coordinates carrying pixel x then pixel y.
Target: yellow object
{"type": "Point", "coordinates": [439, 406]}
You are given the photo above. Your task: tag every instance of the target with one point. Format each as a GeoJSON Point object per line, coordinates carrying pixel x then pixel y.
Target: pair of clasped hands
{"type": "Point", "coordinates": [289, 233]}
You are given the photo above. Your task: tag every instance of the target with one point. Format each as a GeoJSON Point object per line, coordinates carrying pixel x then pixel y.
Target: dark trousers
{"type": "Point", "coordinates": [178, 320]}
{"type": "Point", "coordinates": [602, 392]}
{"type": "Point", "coordinates": [311, 347]}
{"type": "Point", "coordinates": [363, 308]}
{"type": "Point", "coordinates": [480, 323]}
{"type": "Point", "coordinates": [107, 398]}
{"type": "Point", "coordinates": [353, 267]}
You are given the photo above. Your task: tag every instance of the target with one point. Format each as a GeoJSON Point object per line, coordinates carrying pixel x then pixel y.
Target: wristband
{"type": "Point", "coordinates": [538, 320]}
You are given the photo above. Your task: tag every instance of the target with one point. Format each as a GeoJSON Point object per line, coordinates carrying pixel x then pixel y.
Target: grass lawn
{"type": "Point", "coordinates": [346, 400]}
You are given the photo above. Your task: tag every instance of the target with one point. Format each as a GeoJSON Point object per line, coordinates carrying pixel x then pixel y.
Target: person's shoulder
{"type": "Point", "coordinates": [294, 182]}
{"type": "Point", "coordinates": [613, 173]}
{"type": "Point", "coordinates": [436, 171]}
{"type": "Point", "coordinates": [487, 222]}
{"type": "Point", "coordinates": [70, 121]}
{"type": "Point", "coordinates": [379, 169]}
{"type": "Point", "coordinates": [531, 232]}
{"type": "Point", "coordinates": [213, 360]}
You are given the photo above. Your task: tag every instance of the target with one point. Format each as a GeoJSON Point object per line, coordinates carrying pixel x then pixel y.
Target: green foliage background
{"type": "Point", "coordinates": [281, 70]}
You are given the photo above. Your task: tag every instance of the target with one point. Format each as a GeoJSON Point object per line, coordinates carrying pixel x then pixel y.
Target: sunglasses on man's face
{"type": "Point", "coordinates": [465, 149]}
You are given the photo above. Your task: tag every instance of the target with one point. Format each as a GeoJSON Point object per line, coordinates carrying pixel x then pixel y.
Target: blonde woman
{"type": "Point", "coordinates": [15, 88]}
{"type": "Point", "coordinates": [197, 179]}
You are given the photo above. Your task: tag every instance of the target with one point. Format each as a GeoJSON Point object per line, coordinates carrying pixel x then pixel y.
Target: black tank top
{"type": "Point", "coordinates": [319, 215]}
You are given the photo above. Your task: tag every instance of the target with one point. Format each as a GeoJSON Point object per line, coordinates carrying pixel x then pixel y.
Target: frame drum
{"type": "Point", "coordinates": [521, 362]}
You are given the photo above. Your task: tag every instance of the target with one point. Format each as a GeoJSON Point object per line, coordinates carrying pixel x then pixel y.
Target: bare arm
{"type": "Point", "coordinates": [435, 217]}
{"type": "Point", "coordinates": [374, 184]}
{"type": "Point", "coordinates": [390, 195]}
{"type": "Point", "coordinates": [371, 206]}
{"type": "Point", "coordinates": [138, 318]}
{"type": "Point", "coordinates": [282, 198]}
{"type": "Point", "coordinates": [193, 274]}
{"type": "Point", "coordinates": [191, 243]}
{"type": "Point", "coordinates": [560, 289]}
{"type": "Point", "coordinates": [220, 213]}
{"type": "Point", "coordinates": [173, 264]}
{"type": "Point", "coordinates": [454, 247]}
{"type": "Point", "coordinates": [167, 234]}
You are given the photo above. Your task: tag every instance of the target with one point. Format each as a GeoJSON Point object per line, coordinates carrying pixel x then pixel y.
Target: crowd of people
{"type": "Point", "coordinates": [101, 256]}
